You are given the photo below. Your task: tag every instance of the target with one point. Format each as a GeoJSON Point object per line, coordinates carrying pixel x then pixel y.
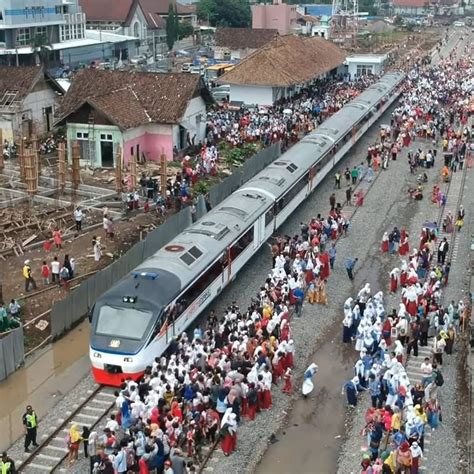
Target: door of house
{"type": "Point", "coordinates": [48, 113]}
{"type": "Point", "coordinates": [107, 150]}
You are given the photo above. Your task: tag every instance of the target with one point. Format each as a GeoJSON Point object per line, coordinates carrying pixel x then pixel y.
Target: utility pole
{"type": "Point", "coordinates": [62, 167]}
{"type": "Point", "coordinates": [163, 173]}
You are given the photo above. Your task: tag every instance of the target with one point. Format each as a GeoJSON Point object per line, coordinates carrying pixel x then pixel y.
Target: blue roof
{"type": "Point", "coordinates": [318, 10]}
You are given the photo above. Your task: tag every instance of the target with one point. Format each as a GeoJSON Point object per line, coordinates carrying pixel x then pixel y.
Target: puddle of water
{"type": "Point", "coordinates": [53, 373]}
{"type": "Point", "coordinates": [313, 424]}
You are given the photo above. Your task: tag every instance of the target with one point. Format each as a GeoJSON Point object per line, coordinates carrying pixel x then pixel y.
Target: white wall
{"type": "Point", "coordinates": [194, 119]}
{"type": "Point", "coordinates": [251, 94]}
{"type": "Point", "coordinates": [36, 102]}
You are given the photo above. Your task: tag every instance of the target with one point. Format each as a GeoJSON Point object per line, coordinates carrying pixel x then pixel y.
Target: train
{"type": "Point", "coordinates": [136, 320]}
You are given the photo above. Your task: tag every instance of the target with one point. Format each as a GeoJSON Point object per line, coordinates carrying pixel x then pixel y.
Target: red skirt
{"type": "Point", "coordinates": [393, 284]}
{"type": "Point", "coordinates": [251, 410]}
{"type": "Point", "coordinates": [404, 249]}
{"type": "Point", "coordinates": [289, 360]}
{"type": "Point", "coordinates": [385, 246]}
{"type": "Point", "coordinates": [412, 307]}
{"type": "Point", "coordinates": [244, 408]}
{"type": "Point", "coordinates": [266, 400]}
{"type": "Point", "coordinates": [229, 443]}
{"type": "Point", "coordinates": [403, 278]}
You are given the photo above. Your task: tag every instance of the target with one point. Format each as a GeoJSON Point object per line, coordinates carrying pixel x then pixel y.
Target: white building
{"type": "Point", "coordinates": [363, 64]}
{"type": "Point", "coordinates": [28, 98]}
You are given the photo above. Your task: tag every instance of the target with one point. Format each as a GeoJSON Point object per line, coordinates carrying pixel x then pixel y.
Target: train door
{"type": "Point", "coordinates": [259, 232]}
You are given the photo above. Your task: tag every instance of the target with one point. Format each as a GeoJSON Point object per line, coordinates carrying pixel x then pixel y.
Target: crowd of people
{"type": "Point", "coordinates": [208, 383]}
{"type": "Point", "coordinates": [288, 120]}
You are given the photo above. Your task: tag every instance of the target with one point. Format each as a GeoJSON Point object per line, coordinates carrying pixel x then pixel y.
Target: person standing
{"type": "Point", "coordinates": [7, 466]}
{"type": "Point", "coordinates": [30, 424]}
{"type": "Point", "coordinates": [354, 175]}
{"type": "Point", "coordinates": [332, 201]}
{"type": "Point", "coordinates": [97, 248]}
{"type": "Point", "coordinates": [78, 218]}
{"type": "Point", "coordinates": [443, 249]}
{"type": "Point", "coordinates": [29, 280]}
{"type": "Point", "coordinates": [55, 269]}
{"type": "Point", "coordinates": [332, 255]}
{"type": "Point", "coordinates": [347, 175]}
{"type": "Point", "coordinates": [58, 239]}
{"type": "Point", "coordinates": [45, 273]}
{"type": "Point", "coordinates": [337, 180]}
{"type": "Point", "coordinates": [349, 196]}
{"type": "Point", "coordinates": [350, 263]}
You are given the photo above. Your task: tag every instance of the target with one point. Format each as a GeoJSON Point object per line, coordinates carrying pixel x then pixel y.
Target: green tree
{"type": "Point", "coordinates": [185, 29]}
{"type": "Point", "coordinates": [171, 27]}
{"type": "Point", "coordinates": [233, 13]}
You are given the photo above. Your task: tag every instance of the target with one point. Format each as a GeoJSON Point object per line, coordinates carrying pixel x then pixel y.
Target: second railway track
{"type": "Point", "coordinates": [52, 450]}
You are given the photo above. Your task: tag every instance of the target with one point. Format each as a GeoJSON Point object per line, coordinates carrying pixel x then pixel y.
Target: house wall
{"type": "Point", "coordinates": [281, 17]}
{"type": "Point", "coordinates": [152, 139]}
{"type": "Point", "coordinates": [194, 119]}
{"type": "Point", "coordinates": [34, 104]}
{"type": "Point", "coordinates": [251, 94]}
{"type": "Point", "coordinates": [6, 126]}
{"type": "Point", "coordinates": [220, 53]}
{"type": "Point", "coordinates": [375, 66]}
{"type": "Point", "coordinates": [91, 150]}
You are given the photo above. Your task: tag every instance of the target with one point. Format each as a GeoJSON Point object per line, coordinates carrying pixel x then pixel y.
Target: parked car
{"type": "Point", "coordinates": [186, 67]}
{"type": "Point", "coordinates": [182, 53]}
{"type": "Point", "coordinates": [196, 69]}
{"type": "Point", "coordinates": [138, 60]}
{"type": "Point", "coordinates": [221, 93]}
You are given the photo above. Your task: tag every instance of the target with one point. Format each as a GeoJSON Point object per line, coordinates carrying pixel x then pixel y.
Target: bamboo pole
{"type": "Point", "coordinates": [76, 172]}
{"type": "Point", "coordinates": [2, 164]}
{"type": "Point", "coordinates": [62, 167]}
{"type": "Point", "coordinates": [163, 173]}
{"type": "Point", "coordinates": [118, 170]}
{"type": "Point", "coordinates": [133, 172]}
{"type": "Point", "coordinates": [34, 145]}
{"type": "Point", "coordinates": [31, 171]}
{"type": "Point", "coordinates": [21, 158]}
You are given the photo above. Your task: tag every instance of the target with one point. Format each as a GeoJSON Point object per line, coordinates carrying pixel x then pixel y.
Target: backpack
{"type": "Point", "coordinates": [439, 379]}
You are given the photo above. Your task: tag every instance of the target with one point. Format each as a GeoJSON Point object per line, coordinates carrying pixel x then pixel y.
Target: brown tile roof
{"type": "Point", "coordinates": [130, 99]}
{"type": "Point", "coordinates": [106, 10]}
{"type": "Point", "coordinates": [161, 7]}
{"type": "Point", "coordinates": [19, 79]}
{"type": "Point", "coordinates": [411, 3]}
{"type": "Point", "coordinates": [286, 61]}
{"type": "Point", "coordinates": [243, 38]}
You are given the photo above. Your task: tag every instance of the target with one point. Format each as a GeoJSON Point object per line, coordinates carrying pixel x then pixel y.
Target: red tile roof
{"type": "Point", "coordinates": [19, 79]}
{"type": "Point", "coordinates": [243, 38]}
{"type": "Point", "coordinates": [130, 99]}
{"type": "Point", "coordinates": [106, 10]}
{"type": "Point", "coordinates": [411, 3]}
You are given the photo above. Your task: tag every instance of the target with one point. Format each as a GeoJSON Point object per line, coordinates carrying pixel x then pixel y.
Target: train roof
{"type": "Point", "coordinates": [190, 253]}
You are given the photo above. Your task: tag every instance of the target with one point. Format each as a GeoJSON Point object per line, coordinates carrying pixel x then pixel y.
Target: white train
{"type": "Point", "coordinates": [136, 319]}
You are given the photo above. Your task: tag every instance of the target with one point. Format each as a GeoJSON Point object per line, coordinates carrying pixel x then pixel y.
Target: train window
{"type": "Point", "coordinates": [241, 244]}
{"type": "Point", "coordinates": [199, 286]}
{"type": "Point", "coordinates": [289, 196]}
{"type": "Point", "coordinates": [195, 252]}
{"type": "Point", "coordinates": [269, 215]}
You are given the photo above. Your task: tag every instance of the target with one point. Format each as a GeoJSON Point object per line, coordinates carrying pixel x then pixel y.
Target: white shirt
{"type": "Point", "coordinates": [112, 425]}
{"type": "Point", "coordinates": [78, 215]}
{"type": "Point", "coordinates": [55, 266]}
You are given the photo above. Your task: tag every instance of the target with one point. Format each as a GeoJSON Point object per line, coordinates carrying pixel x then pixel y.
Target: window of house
{"type": "Point", "coordinates": [23, 36]}
{"type": "Point", "coordinates": [364, 69]}
{"type": "Point", "coordinates": [107, 137]}
{"type": "Point", "coordinates": [41, 31]}
{"type": "Point", "coordinates": [82, 135]}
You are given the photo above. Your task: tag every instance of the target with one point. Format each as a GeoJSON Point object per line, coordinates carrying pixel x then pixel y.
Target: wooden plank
{"type": "Point", "coordinates": [29, 240]}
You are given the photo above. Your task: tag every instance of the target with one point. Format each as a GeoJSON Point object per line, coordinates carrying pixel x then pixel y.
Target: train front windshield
{"type": "Point", "coordinates": [126, 323]}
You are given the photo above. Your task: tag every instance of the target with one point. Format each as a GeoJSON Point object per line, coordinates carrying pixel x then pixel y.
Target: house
{"type": "Point", "coordinates": [363, 64]}
{"type": "Point", "coordinates": [28, 98]}
{"type": "Point", "coordinates": [412, 7]}
{"type": "Point", "coordinates": [281, 69]}
{"type": "Point", "coordinates": [146, 114]}
{"type": "Point", "coordinates": [314, 26]}
{"type": "Point", "coordinates": [237, 43]}
{"type": "Point", "coordinates": [143, 19]}
{"type": "Point", "coordinates": [278, 16]}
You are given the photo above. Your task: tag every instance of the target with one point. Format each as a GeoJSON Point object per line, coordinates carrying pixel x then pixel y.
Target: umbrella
{"type": "Point", "coordinates": [430, 225]}
{"type": "Point", "coordinates": [288, 111]}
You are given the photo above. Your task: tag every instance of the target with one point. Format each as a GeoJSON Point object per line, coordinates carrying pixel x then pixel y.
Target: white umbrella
{"type": "Point", "coordinates": [288, 111]}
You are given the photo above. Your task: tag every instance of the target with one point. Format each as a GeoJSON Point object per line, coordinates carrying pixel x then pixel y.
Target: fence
{"type": "Point", "coordinates": [65, 313]}
{"type": "Point", "coordinates": [12, 352]}
{"type": "Point", "coordinates": [241, 175]}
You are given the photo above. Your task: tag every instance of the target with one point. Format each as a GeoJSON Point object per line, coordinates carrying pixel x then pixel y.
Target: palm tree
{"type": "Point", "coordinates": [42, 47]}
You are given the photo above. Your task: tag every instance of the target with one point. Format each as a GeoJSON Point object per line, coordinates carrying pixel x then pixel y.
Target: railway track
{"type": "Point", "coordinates": [52, 450]}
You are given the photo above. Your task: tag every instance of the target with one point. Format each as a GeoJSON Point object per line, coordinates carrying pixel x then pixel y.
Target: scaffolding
{"type": "Point", "coordinates": [344, 21]}
{"type": "Point", "coordinates": [118, 170]}
{"type": "Point", "coordinates": [76, 170]}
{"type": "Point", "coordinates": [31, 170]}
{"type": "Point", "coordinates": [62, 167]}
{"type": "Point", "coordinates": [10, 102]}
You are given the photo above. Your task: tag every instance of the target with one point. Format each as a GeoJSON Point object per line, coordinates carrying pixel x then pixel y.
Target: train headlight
{"type": "Point", "coordinates": [97, 355]}
{"type": "Point", "coordinates": [128, 359]}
